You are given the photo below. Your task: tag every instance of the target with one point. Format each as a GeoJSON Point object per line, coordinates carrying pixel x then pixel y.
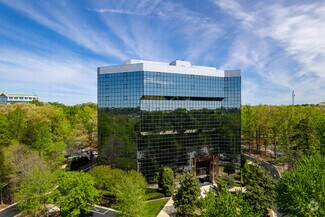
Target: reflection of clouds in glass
{"type": "Point", "coordinates": [157, 81]}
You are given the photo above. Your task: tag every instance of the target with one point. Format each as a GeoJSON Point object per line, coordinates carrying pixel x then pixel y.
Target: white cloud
{"type": "Point", "coordinates": [233, 8]}
{"type": "Point", "coordinates": [279, 46]}
{"type": "Point", "coordinates": [116, 11]}
{"type": "Point", "coordinates": [65, 20]}
{"type": "Point", "coordinates": [70, 77]}
{"type": "Point", "coordinates": [167, 23]}
{"type": "Point", "coordinates": [283, 46]}
{"type": "Point", "coordinates": [300, 29]}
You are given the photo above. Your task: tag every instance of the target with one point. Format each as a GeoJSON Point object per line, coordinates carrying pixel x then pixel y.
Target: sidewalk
{"type": "Point", "coordinates": [168, 210]}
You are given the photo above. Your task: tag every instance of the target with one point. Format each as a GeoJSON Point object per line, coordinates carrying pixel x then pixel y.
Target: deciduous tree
{"type": "Point", "coordinates": [224, 204]}
{"type": "Point", "coordinates": [301, 191]}
{"type": "Point", "coordinates": [4, 172]}
{"type": "Point", "coordinates": [35, 190]}
{"type": "Point", "coordinates": [129, 192]}
{"type": "Point", "coordinates": [75, 192]}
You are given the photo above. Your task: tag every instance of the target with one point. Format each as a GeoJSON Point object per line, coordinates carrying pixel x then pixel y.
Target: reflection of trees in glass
{"type": "Point", "coordinates": [161, 138]}
{"type": "Point", "coordinates": [171, 138]}
{"type": "Point", "coordinates": [118, 136]}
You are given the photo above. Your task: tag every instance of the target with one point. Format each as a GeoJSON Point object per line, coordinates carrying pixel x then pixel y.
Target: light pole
{"type": "Point", "coordinates": [293, 97]}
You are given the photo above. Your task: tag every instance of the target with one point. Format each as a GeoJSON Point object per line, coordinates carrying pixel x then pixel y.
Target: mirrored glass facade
{"type": "Point", "coordinates": [149, 119]}
{"type": "Point", "coordinates": [3, 99]}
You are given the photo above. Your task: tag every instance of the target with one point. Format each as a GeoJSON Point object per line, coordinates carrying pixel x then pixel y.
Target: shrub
{"type": "Point", "coordinates": [226, 181]}
{"type": "Point", "coordinates": [166, 181]}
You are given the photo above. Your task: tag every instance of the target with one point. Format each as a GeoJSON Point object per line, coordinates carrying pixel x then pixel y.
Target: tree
{"type": "Point", "coordinates": [106, 178]}
{"type": "Point", "coordinates": [225, 182]}
{"type": "Point", "coordinates": [304, 136]}
{"type": "Point", "coordinates": [187, 196]}
{"type": "Point", "coordinates": [129, 192]}
{"type": "Point", "coordinates": [260, 187]}
{"type": "Point", "coordinates": [248, 123]}
{"type": "Point", "coordinates": [166, 181]}
{"type": "Point", "coordinates": [16, 123]}
{"type": "Point", "coordinates": [4, 172]}
{"type": "Point", "coordinates": [4, 130]}
{"type": "Point", "coordinates": [300, 191]}
{"type": "Point", "coordinates": [88, 117]}
{"type": "Point", "coordinates": [222, 203]}
{"type": "Point", "coordinates": [101, 175]}
{"type": "Point", "coordinates": [75, 192]}
{"type": "Point", "coordinates": [34, 191]}
{"type": "Point", "coordinates": [20, 160]}
{"type": "Point", "coordinates": [39, 136]}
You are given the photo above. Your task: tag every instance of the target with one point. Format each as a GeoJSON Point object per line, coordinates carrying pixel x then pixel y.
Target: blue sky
{"type": "Point", "coordinates": [54, 47]}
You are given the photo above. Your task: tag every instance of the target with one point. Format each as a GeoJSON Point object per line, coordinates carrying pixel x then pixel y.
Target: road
{"type": "Point", "coordinates": [9, 212]}
{"type": "Point", "coordinates": [95, 212]}
{"type": "Point", "coordinates": [267, 166]}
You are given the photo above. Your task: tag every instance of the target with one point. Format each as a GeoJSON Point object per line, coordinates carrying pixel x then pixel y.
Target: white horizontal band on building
{"type": "Point", "coordinates": [177, 66]}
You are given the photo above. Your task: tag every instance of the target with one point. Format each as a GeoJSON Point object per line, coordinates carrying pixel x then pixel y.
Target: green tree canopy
{"type": "Point", "coordinates": [16, 123]}
{"type": "Point", "coordinates": [166, 181]}
{"type": "Point", "coordinates": [301, 191]}
{"type": "Point", "coordinates": [75, 192]}
{"type": "Point", "coordinates": [106, 178]}
{"type": "Point", "coordinates": [224, 204]}
{"type": "Point", "coordinates": [20, 160]}
{"type": "Point", "coordinates": [35, 190]}
{"type": "Point", "coordinates": [296, 130]}
{"type": "Point", "coordinates": [260, 187]}
{"type": "Point", "coordinates": [129, 192]}
{"type": "Point", "coordinates": [187, 196]}
{"type": "Point", "coordinates": [102, 176]}
{"type": "Point", "coordinates": [4, 172]}
{"type": "Point", "coordinates": [4, 130]}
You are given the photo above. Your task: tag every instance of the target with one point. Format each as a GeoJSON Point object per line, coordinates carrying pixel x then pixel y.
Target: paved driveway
{"type": "Point", "coordinates": [95, 212]}
{"type": "Point", "coordinates": [99, 211]}
{"type": "Point", "coordinates": [9, 212]}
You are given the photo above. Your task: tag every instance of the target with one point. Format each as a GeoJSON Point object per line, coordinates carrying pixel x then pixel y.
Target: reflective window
{"type": "Point", "coordinates": [150, 119]}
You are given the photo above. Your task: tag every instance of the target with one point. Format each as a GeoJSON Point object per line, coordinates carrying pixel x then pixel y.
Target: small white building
{"type": "Point", "coordinates": [16, 97]}
{"type": "Point", "coordinates": [322, 104]}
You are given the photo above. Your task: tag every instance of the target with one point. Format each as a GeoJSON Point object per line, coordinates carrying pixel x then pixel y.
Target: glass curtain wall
{"type": "Point", "coordinates": [153, 119]}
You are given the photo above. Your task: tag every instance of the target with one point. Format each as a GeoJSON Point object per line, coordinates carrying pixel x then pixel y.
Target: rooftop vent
{"type": "Point", "coordinates": [181, 63]}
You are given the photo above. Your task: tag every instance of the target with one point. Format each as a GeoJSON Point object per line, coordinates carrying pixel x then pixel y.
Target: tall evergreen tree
{"type": "Point", "coordinates": [260, 187]}
{"type": "Point", "coordinates": [187, 197]}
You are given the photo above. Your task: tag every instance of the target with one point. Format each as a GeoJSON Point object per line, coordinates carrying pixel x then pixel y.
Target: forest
{"type": "Point", "coordinates": [292, 130]}
{"type": "Point", "coordinates": [36, 138]}
{"type": "Point", "coordinates": [41, 134]}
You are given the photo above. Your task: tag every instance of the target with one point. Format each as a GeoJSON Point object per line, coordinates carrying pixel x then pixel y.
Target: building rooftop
{"type": "Point", "coordinates": [176, 66]}
{"type": "Point", "coordinates": [18, 93]}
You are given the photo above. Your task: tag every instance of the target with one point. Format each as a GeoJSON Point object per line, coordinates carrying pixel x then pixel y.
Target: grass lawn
{"type": "Point", "coordinates": [152, 208]}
